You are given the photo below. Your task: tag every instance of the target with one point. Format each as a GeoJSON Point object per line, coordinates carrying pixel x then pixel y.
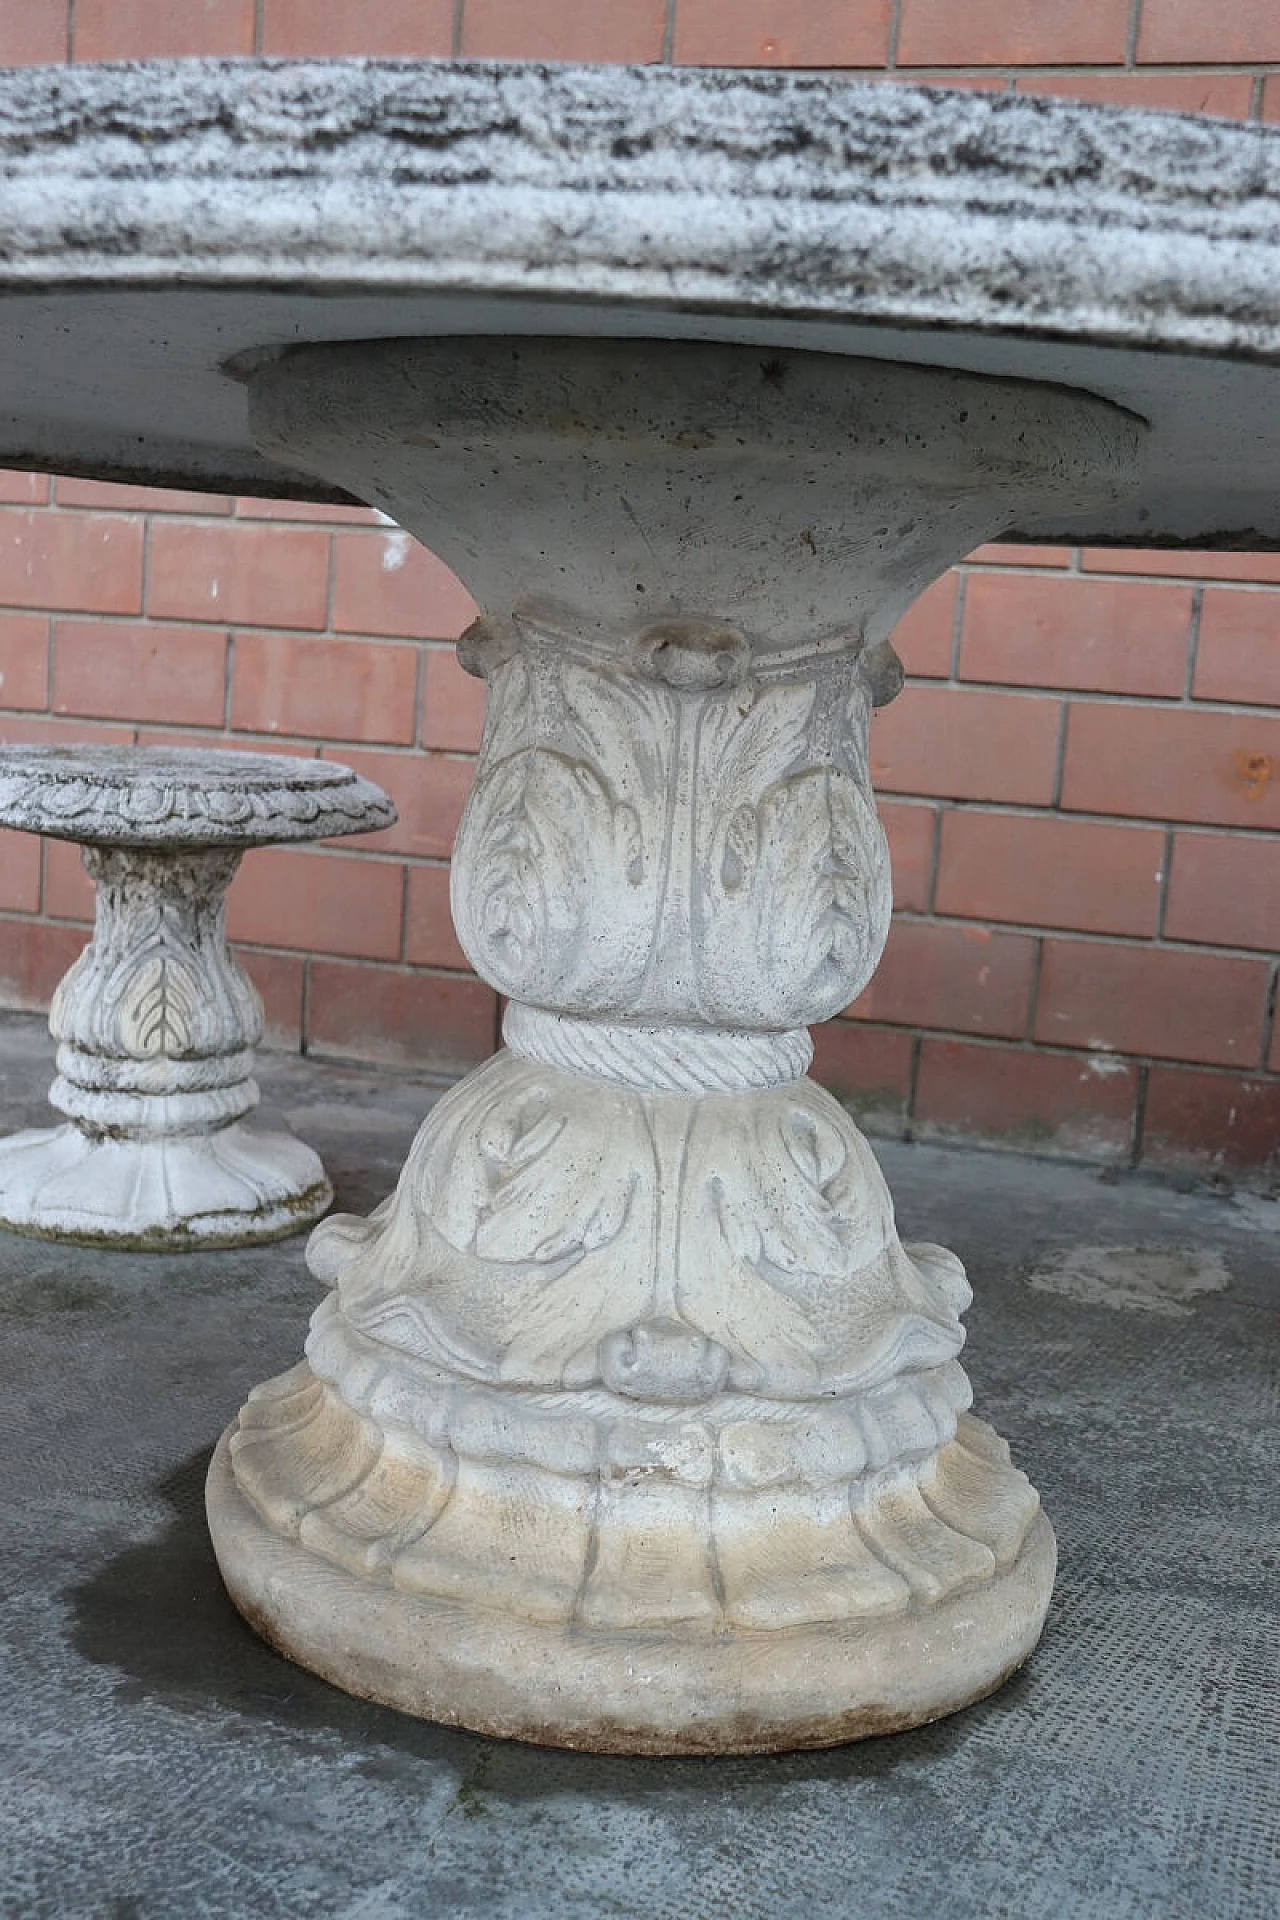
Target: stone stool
{"type": "Point", "coordinates": [157, 1021]}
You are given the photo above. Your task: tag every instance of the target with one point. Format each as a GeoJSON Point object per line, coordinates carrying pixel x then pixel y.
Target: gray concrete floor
{"type": "Point", "coordinates": [156, 1759]}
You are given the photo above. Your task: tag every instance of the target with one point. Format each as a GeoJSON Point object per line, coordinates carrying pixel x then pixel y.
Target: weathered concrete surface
{"type": "Point", "coordinates": [156, 1759]}
{"type": "Point", "coordinates": [162, 220]}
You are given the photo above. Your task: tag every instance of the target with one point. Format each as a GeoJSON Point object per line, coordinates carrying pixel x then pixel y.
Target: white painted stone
{"type": "Point", "coordinates": [162, 219]}
{"type": "Point", "coordinates": [631, 1423]}
{"type": "Point", "coordinates": [156, 1022]}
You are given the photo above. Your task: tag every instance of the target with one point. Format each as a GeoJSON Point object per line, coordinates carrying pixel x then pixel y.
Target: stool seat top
{"type": "Point", "coordinates": [165, 227]}
{"type": "Point", "coordinates": [183, 797]}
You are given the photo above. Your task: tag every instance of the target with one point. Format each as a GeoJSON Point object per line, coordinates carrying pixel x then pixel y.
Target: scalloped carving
{"type": "Point", "coordinates": [623, 1546]}
{"type": "Point", "coordinates": [676, 1349]}
{"type": "Point", "coordinates": [540, 1215]}
{"type": "Point", "coordinates": [183, 797]}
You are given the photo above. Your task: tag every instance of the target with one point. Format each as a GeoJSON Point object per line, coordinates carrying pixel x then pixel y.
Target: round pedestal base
{"type": "Point", "coordinates": [615, 1692]}
{"type": "Point", "coordinates": [231, 1188]}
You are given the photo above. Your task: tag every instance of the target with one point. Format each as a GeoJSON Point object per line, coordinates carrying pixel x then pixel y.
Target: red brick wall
{"type": "Point", "coordinates": [1080, 780]}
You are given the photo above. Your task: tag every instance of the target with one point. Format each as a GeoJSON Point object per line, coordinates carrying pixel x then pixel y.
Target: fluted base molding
{"type": "Point", "coordinates": [234, 1187]}
{"type": "Point", "coordinates": [600, 1691]}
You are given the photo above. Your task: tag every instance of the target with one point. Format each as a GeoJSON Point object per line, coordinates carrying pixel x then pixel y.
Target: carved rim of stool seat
{"type": "Point", "coordinates": [183, 796]}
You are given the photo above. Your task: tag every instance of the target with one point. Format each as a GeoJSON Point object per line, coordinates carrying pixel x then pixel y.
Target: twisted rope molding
{"type": "Point", "coordinates": [658, 1059]}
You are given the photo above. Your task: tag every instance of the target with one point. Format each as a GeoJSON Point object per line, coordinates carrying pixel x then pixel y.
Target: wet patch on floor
{"type": "Point", "coordinates": [1161, 1280]}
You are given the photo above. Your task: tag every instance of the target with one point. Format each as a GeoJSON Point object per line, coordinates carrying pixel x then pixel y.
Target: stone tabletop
{"type": "Point", "coordinates": [165, 228]}
{"type": "Point", "coordinates": [183, 797]}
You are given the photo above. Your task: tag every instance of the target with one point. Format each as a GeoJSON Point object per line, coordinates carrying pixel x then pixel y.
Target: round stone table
{"type": "Point", "coordinates": [629, 1422]}
{"type": "Point", "coordinates": [157, 1021]}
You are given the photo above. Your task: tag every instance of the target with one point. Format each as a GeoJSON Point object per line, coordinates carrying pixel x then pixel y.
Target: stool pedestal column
{"type": "Point", "coordinates": [156, 1024]}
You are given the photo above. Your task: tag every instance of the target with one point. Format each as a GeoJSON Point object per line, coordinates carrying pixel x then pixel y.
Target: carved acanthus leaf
{"type": "Point", "coordinates": [793, 868]}
{"type": "Point", "coordinates": [641, 850]}
{"type": "Point", "coordinates": [557, 866]}
{"type": "Point", "coordinates": [540, 1215]}
{"type": "Point", "coordinates": [160, 1005]}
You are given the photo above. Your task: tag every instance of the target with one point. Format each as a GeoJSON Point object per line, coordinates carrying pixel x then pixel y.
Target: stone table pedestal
{"type": "Point", "coordinates": [157, 1021]}
{"type": "Point", "coordinates": [631, 1423]}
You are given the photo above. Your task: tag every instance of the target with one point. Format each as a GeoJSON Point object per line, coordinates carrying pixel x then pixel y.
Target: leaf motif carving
{"type": "Point", "coordinates": [162, 1007]}
{"type": "Point", "coordinates": [153, 996]}
{"type": "Point", "coordinates": [521, 1229]}
{"type": "Point", "coordinates": [821, 889]}
{"type": "Point", "coordinates": [557, 867]}
{"type": "Point", "coordinates": [792, 875]}
{"type": "Point", "coordinates": [157, 981]}
{"type": "Point", "coordinates": [788, 1251]}
{"type": "Point", "coordinates": [749, 1215]}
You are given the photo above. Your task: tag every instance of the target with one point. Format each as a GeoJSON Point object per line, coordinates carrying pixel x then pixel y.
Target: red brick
{"type": "Point", "coordinates": [324, 689]}
{"type": "Point", "coordinates": [43, 730]}
{"type": "Point", "coordinates": [86, 561]}
{"type": "Point", "coordinates": [33, 31]}
{"type": "Point", "coordinates": [963, 745]}
{"type": "Point", "coordinates": [452, 703]}
{"type": "Point", "coordinates": [185, 737]}
{"type": "Point", "coordinates": [429, 938]}
{"type": "Point", "coordinates": [563, 29]}
{"type": "Point", "coordinates": [1225, 891]}
{"type": "Point", "coordinates": [1271, 98]}
{"type": "Point", "coordinates": [1012, 33]}
{"type": "Point", "coordinates": [113, 670]}
{"type": "Point", "coordinates": [68, 890]}
{"type": "Point", "coordinates": [23, 489]}
{"type": "Point", "coordinates": [421, 27]}
{"type": "Point", "coordinates": [1152, 1001]}
{"type": "Point", "coordinates": [430, 791]}
{"type": "Point", "coordinates": [910, 832]}
{"type": "Point", "coordinates": [385, 582]}
{"type": "Point", "coordinates": [1101, 636]}
{"type": "Point", "coordinates": [244, 575]}
{"type": "Point", "coordinates": [1229, 95]}
{"type": "Point", "coordinates": [305, 511]}
{"type": "Point", "coordinates": [1238, 657]}
{"type": "Point", "coordinates": [1032, 1102]}
{"type": "Point", "coordinates": [1273, 1057]}
{"type": "Point", "coordinates": [317, 903]}
{"type": "Point", "coordinates": [1186, 32]}
{"type": "Point", "coordinates": [33, 958]}
{"type": "Point", "coordinates": [19, 871]}
{"type": "Point", "coordinates": [279, 979]}
{"type": "Point", "coordinates": [139, 29]}
{"type": "Point", "coordinates": [777, 33]}
{"type": "Point", "coordinates": [24, 660]}
{"type": "Point", "coordinates": [959, 82]}
{"type": "Point", "coordinates": [1046, 871]}
{"type": "Point", "coordinates": [962, 979]}
{"type": "Point", "coordinates": [1173, 763]}
{"type": "Point", "coordinates": [923, 635]}
{"type": "Point", "coordinates": [1184, 564]}
{"type": "Point", "coordinates": [1009, 553]}
{"type": "Point", "coordinates": [867, 1068]}
{"type": "Point", "coordinates": [108, 497]}
{"type": "Point", "coordinates": [436, 1021]}
{"type": "Point", "coordinates": [1211, 1120]}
